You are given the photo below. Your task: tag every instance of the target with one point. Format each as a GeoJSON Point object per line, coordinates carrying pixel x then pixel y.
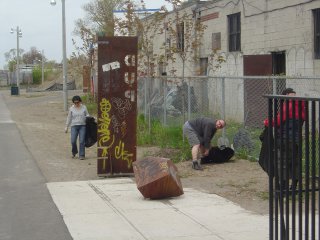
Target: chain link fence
{"type": "Point", "coordinates": [238, 100]}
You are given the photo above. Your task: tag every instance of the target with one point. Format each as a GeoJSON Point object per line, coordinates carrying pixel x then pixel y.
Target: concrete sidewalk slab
{"type": "Point", "coordinates": [5, 116]}
{"type": "Point", "coordinates": [114, 209]}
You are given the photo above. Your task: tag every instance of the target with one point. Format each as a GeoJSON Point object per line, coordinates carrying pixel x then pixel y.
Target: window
{"type": "Point", "coordinates": [234, 27]}
{"type": "Point", "coordinates": [216, 41]}
{"type": "Point", "coordinates": [180, 36]}
{"type": "Point", "coordinates": [168, 43]}
{"type": "Point", "coordinates": [316, 19]}
{"type": "Point", "coordinates": [278, 63]}
{"type": "Point", "coordinates": [162, 68]}
{"type": "Point", "coordinates": [279, 68]}
{"type": "Point", "coordinates": [203, 66]}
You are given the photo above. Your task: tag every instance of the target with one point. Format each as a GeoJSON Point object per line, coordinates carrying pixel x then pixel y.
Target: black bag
{"type": "Point", "coordinates": [218, 155]}
{"type": "Point", "coordinates": [91, 132]}
{"type": "Point", "coordinates": [264, 151]}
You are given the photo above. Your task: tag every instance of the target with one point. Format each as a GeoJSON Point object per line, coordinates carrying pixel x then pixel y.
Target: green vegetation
{"type": "Point", "coordinates": [163, 137]}
{"type": "Point", "coordinates": [158, 135]}
{"type": "Point", "coordinates": [90, 103]}
{"type": "Point", "coordinates": [170, 137]}
{"type": "Point", "coordinates": [37, 75]}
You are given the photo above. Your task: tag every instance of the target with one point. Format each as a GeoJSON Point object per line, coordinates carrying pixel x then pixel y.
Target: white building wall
{"type": "Point", "coordinates": [289, 29]}
{"type": "Point", "coordinates": [266, 26]}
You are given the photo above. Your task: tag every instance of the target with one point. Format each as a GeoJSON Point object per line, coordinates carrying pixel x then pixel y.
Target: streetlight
{"type": "Point", "coordinates": [19, 35]}
{"type": "Point", "coordinates": [42, 66]}
{"type": "Point", "coordinates": [64, 52]}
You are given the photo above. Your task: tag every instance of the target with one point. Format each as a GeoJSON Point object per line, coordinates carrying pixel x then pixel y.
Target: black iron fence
{"type": "Point", "coordinates": [293, 167]}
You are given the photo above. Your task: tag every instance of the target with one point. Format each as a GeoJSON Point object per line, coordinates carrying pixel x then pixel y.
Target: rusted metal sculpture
{"type": "Point", "coordinates": [117, 105]}
{"type": "Point", "coordinates": [157, 178]}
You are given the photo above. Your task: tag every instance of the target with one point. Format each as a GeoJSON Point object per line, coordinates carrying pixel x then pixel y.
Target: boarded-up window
{"type": "Point", "coordinates": [216, 41]}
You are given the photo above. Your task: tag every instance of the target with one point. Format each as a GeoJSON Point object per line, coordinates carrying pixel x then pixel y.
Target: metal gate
{"type": "Point", "coordinates": [294, 181]}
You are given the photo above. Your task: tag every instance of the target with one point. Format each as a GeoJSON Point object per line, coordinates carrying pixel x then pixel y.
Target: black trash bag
{"type": "Point", "coordinates": [91, 132]}
{"type": "Point", "coordinates": [264, 151]}
{"type": "Point", "coordinates": [218, 155]}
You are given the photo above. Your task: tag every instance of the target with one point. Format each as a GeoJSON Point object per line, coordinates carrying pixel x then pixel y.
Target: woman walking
{"type": "Point", "coordinates": [77, 120]}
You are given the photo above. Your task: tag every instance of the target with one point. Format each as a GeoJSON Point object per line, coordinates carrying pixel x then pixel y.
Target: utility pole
{"type": "Point", "coordinates": [64, 53]}
{"type": "Point", "coordinates": [19, 35]}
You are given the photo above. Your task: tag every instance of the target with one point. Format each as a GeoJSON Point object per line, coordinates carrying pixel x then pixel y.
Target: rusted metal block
{"type": "Point", "coordinates": [157, 178]}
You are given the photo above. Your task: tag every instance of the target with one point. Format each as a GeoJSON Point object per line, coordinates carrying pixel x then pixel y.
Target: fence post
{"type": "Point", "coordinates": [145, 98]}
{"type": "Point", "coordinates": [165, 102]}
{"type": "Point", "coordinates": [274, 86]}
{"type": "Point", "coordinates": [223, 105]}
{"type": "Point", "coordinates": [189, 100]}
{"type": "Point", "coordinates": [149, 104]}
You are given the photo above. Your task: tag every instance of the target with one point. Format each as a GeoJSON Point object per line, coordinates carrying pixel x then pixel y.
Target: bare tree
{"type": "Point", "coordinates": [99, 19]}
{"type": "Point", "coordinates": [32, 56]}
{"type": "Point", "coordinates": [11, 58]}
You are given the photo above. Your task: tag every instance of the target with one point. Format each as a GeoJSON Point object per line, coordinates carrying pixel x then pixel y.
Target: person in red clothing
{"type": "Point", "coordinates": [293, 117]}
{"type": "Point", "coordinates": [288, 92]}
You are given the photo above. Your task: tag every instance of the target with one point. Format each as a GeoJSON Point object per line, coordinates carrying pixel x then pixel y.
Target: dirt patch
{"type": "Point", "coordinates": [41, 120]}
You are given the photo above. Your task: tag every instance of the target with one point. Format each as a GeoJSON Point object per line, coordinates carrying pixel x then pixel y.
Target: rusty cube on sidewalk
{"type": "Point", "coordinates": [157, 178]}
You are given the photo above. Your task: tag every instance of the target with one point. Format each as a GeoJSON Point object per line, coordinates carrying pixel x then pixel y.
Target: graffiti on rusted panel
{"type": "Point", "coordinates": [117, 91]}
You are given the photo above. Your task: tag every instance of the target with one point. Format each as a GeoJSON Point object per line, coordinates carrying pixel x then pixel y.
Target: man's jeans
{"type": "Point", "coordinates": [81, 131]}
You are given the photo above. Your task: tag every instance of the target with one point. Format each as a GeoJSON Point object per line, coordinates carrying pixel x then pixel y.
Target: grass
{"type": "Point", "coordinates": [170, 136]}
{"type": "Point", "coordinates": [163, 137]}
{"type": "Point", "coordinates": [89, 101]}
{"type": "Point", "coordinates": [158, 135]}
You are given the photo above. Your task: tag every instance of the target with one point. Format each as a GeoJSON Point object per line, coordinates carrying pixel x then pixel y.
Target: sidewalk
{"type": "Point", "coordinates": [114, 209]}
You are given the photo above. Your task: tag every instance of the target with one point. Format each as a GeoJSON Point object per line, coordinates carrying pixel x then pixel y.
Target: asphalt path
{"type": "Point", "coordinates": [27, 211]}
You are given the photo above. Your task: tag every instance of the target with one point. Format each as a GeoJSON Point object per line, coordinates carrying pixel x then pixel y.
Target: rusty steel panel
{"type": "Point", "coordinates": [86, 78]}
{"type": "Point", "coordinates": [157, 178]}
{"type": "Point", "coordinates": [117, 105]}
{"type": "Point", "coordinates": [254, 89]}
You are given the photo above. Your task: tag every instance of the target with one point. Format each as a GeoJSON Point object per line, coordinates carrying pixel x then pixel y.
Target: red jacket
{"type": "Point", "coordinates": [284, 113]}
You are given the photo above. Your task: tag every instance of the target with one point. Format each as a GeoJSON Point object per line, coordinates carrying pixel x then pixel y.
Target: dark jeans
{"type": "Point", "coordinates": [78, 130]}
{"type": "Point", "coordinates": [289, 160]}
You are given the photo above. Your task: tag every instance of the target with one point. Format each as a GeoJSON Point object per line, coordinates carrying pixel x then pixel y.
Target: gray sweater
{"type": "Point", "coordinates": [205, 129]}
{"type": "Point", "coordinates": [77, 116]}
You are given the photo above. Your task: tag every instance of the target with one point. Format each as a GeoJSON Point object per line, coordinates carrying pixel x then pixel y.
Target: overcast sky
{"type": "Point", "coordinates": [41, 25]}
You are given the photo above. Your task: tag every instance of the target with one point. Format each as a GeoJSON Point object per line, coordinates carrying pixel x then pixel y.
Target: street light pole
{"type": "Point", "coordinates": [19, 35]}
{"type": "Point", "coordinates": [18, 62]}
{"type": "Point", "coordinates": [64, 53]}
{"type": "Point", "coordinates": [42, 67]}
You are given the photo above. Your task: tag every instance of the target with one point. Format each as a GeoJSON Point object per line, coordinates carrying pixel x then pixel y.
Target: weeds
{"type": "Point", "coordinates": [90, 103]}
{"type": "Point", "coordinates": [163, 137]}
{"type": "Point", "coordinates": [170, 137]}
